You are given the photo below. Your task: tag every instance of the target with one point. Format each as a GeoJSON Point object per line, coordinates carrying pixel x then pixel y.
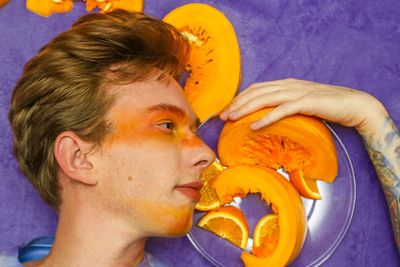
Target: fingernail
{"type": "Point", "coordinates": [233, 115]}
{"type": "Point", "coordinates": [255, 126]}
{"type": "Point", "coordinates": [223, 115]}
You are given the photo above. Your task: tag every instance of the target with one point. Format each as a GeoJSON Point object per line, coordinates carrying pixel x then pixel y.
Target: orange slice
{"type": "Point", "coordinates": [306, 187]}
{"type": "Point", "coordinates": [209, 199]}
{"type": "Point", "coordinates": [227, 222]}
{"type": "Point", "coordinates": [266, 235]}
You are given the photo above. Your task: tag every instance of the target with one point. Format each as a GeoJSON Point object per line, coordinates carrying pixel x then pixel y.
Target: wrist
{"type": "Point", "coordinates": [374, 119]}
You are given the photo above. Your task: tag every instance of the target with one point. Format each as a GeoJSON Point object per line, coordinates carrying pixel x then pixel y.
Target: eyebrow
{"type": "Point", "coordinates": [171, 109]}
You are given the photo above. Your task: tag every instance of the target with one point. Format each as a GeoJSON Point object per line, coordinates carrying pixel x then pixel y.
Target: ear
{"type": "Point", "coordinates": [72, 155]}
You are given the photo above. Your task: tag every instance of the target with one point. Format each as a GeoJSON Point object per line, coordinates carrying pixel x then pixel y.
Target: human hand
{"type": "Point", "coordinates": [343, 105]}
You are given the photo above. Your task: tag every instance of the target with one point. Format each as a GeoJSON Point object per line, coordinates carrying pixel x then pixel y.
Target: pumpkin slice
{"type": "Point", "coordinates": [110, 5]}
{"type": "Point", "coordinates": [214, 62]}
{"type": "Point", "coordinates": [46, 8]}
{"type": "Point", "coordinates": [227, 222]}
{"type": "Point", "coordinates": [240, 180]}
{"type": "Point", "coordinates": [296, 142]}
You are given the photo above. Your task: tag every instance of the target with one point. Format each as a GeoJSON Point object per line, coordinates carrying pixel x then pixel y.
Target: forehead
{"type": "Point", "coordinates": [144, 97]}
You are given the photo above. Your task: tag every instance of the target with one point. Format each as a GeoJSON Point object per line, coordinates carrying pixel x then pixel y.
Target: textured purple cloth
{"type": "Point", "coordinates": [343, 42]}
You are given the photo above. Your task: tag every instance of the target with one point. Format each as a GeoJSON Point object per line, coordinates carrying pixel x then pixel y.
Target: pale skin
{"type": "Point", "coordinates": [142, 181]}
{"type": "Point", "coordinates": [342, 105]}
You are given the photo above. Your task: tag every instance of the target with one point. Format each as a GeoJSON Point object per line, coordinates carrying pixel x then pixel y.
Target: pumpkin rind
{"type": "Point", "coordinates": [240, 180]}
{"type": "Point", "coordinates": [308, 142]}
{"type": "Point", "coordinates": [214, 63]}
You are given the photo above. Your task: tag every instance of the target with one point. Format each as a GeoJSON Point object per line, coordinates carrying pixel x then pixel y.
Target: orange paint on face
{"type": "Point", "coordinates": [160, 157]}
{"type": "Point", "coordinates": [164, 219]}
{"type": "Point", "coordinates": [135, 128]}
{"type": "Point", "coordinates": [159, 218]}
{"type": "Point", "coordinates": [129, 129]}
{"type": "Point", "coordinates": [193, 141]}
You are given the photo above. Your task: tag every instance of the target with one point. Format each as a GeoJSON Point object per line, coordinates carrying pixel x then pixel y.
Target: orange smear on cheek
{"type": "Point", "coordinates": [166, 219]}
{"type": "Point", "coordinates": [139, 127]}
{"type": "Point", "coordinates": [169, 220]}
{"type": "Point", "coordinates": [128, 129]}
{"type": "Point", "coordinates": [182, 222]}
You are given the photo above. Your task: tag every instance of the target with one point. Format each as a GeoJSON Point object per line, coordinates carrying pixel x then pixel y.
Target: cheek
{"type": "Point", "coordinates": [137, 175]}
{"type": "Point", "coordinates": [147, 161]}
{"type": "Point", "coordinates": [138, 186]}
{"type": "Point", "coordinates": [132, 175]}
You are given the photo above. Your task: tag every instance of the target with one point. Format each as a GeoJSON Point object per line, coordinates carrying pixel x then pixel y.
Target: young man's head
{"type": "Point", "coordinates": [99, 121]}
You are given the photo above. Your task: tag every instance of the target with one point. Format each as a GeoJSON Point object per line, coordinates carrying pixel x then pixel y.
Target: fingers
{"type": "Point", "coordinates": [291, 96]}
{"type": "Point", "coordinates": [289, 108]}
{"type": "Point", "coordinates": [245, 97]}
{"type": "Point", "coordinates": [276, 83]}
{"type": "Point", "coordinates": [255, 93]}
{"type": "Point", "coordinates": [249, 93]}
{"type": "Point", "coordinates": [265, 90]}
{"type": "Point", "coordinates": [264, 87]}
{"type": "Point", "coordinates": [258, 102]}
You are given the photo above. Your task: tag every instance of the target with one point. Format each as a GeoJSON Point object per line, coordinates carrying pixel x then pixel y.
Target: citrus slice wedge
{"type": "Point", "coordinates": [209, 199]}
{"type": "Point", "coordinates": [306, 187]}
{"type": "Point", "coordinates": [266, 235]}
{"type": "Point", "coordinates": [227, 222]}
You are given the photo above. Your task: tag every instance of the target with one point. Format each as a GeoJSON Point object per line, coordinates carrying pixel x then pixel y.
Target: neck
{"type": "Point", "coordinates": [86, 238]}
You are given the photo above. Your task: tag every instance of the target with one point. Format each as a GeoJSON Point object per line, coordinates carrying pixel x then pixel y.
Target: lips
{"type": "Point", "coordinates": [191, 190]}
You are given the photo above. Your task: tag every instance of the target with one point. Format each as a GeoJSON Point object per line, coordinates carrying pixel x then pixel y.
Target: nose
{"type": "Point", "coordinates": [199, 154]}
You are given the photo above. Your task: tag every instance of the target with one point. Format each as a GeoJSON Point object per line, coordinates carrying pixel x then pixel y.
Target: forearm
{"type": "Point", "coordinates": [383, 145]}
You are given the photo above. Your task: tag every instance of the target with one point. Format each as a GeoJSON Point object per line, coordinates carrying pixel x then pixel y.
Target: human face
{"type": "Point", "coordinates": [150, 165]}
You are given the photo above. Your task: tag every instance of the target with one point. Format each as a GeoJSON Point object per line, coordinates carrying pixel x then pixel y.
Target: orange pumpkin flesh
{"type": "Point", "coordinates": [297, 142]}
{"type": "Point", "coordinates": [46, 8]}
{"type": "Point", "coordinates": [110, 5]}
{"type": "Point", "coordinates": [214, 63]}
{"type": "Point", "coordinates": [3, 2]}
{"type": "Point", "coordinates": [243, 179]}
{"type": "Point", "coordinates": [129, 5]}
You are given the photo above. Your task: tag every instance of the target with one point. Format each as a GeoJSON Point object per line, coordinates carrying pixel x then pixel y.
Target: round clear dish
{"type": "Point", "coordinates": [328, 219]}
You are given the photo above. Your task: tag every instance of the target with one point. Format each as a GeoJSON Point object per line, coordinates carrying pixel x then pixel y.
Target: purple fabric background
{"type": "Point", "coordinates": [344, 42]}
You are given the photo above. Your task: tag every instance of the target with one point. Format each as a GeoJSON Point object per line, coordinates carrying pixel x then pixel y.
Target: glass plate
{"type": "Point", "coordinates": [328, 219]}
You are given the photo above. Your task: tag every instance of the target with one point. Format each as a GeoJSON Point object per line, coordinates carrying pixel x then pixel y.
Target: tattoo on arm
{"type": "Point", "coordinates": [384, 151]}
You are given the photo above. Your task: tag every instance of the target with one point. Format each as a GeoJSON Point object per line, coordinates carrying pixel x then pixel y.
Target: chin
{"type": "Point", "coordinates": [180, 227]}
